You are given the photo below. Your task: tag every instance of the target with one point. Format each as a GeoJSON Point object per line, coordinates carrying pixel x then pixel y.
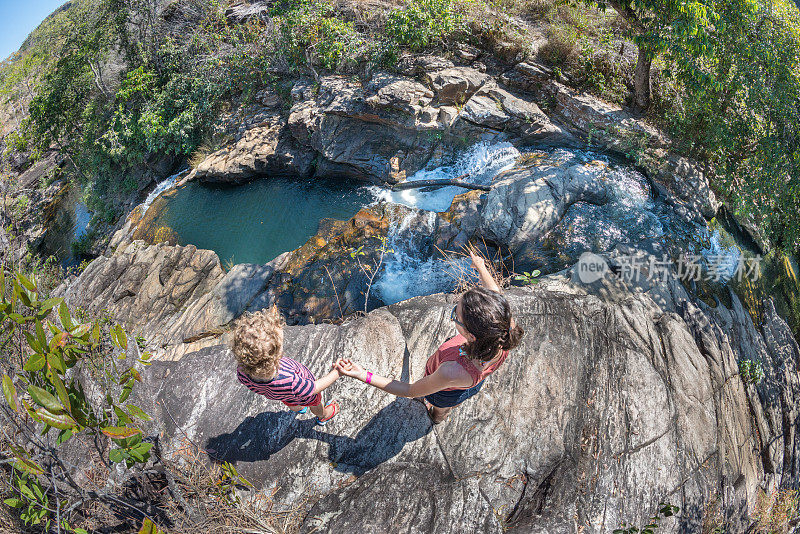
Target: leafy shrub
{"type": "Point", "coordinates": [47, 346]}
{"type": "Point", "coordinates": [420, 24]}
{"type": "Point", "coordinates": [751, 371]}
{"type": "Point", "coordinates": [311, 34]}
{"type": "Point", "coordinates": [528, 278]}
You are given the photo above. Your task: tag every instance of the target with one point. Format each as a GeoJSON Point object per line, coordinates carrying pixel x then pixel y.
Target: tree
{"type": "Point", "coordinates": [740, 111]}
{"type": "Point", "coordinates": [656, 25]}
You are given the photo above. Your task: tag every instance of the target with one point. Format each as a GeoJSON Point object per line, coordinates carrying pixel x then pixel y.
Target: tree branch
{"type": "Point", "coordinates": [439, 183]}
{"type": "Point", "coordinates": [627, 13]}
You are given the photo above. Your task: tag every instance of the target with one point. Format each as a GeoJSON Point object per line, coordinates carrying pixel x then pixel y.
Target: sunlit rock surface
{"type": "Point", "coordinates": [612, 404]}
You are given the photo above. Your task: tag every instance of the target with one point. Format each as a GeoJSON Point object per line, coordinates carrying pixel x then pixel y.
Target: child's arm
{"type": "Point", "coordinates": [486, 278]}
{"type": "Point", "coordinates": [326, 381]}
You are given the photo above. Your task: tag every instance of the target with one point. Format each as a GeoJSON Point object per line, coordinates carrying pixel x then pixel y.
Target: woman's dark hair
{"type": "Point", "coordinates": [487, 316]}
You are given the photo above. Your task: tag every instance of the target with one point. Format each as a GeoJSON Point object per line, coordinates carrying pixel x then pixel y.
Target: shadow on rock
{"type": "Point", "coordinates": [382, 438]}
{"type": "Point", "coordinates": [257, 438]}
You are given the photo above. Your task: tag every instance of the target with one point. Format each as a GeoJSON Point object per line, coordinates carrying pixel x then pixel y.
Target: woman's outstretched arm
{"type": "Point", "coordinates": [426, 385]}
{"type": "Point", "coordinates": [486, 278]}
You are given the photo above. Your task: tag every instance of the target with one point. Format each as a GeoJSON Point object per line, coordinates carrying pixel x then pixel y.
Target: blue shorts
{"type": "Point", "coordinates": [448, 399]}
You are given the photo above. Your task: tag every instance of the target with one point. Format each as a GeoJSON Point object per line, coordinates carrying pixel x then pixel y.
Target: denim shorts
{"type": "Point", "coordinates": [448, 399]}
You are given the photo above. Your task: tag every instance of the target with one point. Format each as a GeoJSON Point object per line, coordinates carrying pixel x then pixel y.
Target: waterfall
{"type": "Point", "coordinates": [412, 269]}
{"type": "Point", "coordinates": [162, 186]}
{"type": "Point", "coordinates": [481, 163]}
{"type": "Point", "coordinates": [722, 259]}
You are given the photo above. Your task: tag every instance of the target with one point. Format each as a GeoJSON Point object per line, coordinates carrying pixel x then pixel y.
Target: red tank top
{"type": "Point", "coordinates": [448, 352]}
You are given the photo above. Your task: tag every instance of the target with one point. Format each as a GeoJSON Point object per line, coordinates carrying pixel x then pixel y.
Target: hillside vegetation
{"type": "Point", "coordinates": [116, 85]}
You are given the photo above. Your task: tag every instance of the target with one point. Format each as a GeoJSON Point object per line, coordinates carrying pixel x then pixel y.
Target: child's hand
{"type": "Point", "coordinates": [350, 368]}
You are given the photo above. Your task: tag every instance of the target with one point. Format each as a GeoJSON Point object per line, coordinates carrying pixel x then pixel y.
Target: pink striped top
{"type": "Point", "coordinates": [293, 385]}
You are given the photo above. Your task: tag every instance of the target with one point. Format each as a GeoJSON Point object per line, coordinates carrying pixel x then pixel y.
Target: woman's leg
{"type": "Point", "coordinates": [439, 414]}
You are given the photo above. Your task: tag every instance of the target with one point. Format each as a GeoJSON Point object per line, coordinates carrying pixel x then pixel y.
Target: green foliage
{"type": "Point", "coordinates": [751, 371]}
{"type": "Point", "coordinates": [148, 527]}
{"type": "Point", "coordinates": [50, 345]}
{"type": "Point", "coordinates": [419, 24]}
{"type": "Point", "coordinates": [664, 509]}
{"type": "Point", "coordinates": [740, 110]}
{"type": "Point", "coordinates": [312, 34]}
{"type": "Point", "coordinates": [20, 208]}
{"type": "Point", "coordinates": [227, 482]}
{"type": "Point", "coordinates": [32, 502]}
{"type": "Point", "coordinates": [528, 278]}
{"type": "Point", "coordinates": [82, 246]}
{"type": "Point", "coordinates": [163, 106]}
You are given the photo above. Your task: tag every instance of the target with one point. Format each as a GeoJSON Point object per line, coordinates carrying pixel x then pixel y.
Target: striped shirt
{"type": "Point", "coordinates": [293, 385]}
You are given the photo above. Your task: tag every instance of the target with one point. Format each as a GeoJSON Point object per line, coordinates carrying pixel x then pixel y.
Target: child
{"type": "Point", "coordinates": [258, 346]}
{"type": "Point", "coordinates": [457, 370]}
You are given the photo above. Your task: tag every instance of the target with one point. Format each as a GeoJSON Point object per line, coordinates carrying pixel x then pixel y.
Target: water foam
{"type": "Point", "coordinates": [721, 260]}
{"type": "Point", "coordinates": [162, 186]}
{"type": "Point", "coordinates": [481, 163]}
{"type": "Point", "coordinates": [411, 269]}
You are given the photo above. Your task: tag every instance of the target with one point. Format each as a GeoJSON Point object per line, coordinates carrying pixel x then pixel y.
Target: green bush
{"type": "Point", "coordinates": [420, 24]}
{"type": "Point", "coordinates": [751, 372]}
{"type": "Point", "coordinates": [312, 34]}
{"type": "Point", "coordinates": [51, 344]}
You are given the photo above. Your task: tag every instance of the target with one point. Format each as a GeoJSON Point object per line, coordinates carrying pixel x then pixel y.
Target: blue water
{"type": "Point", "coordinates": [257, 221]}
{"type": "Point", "coordinates": [69, 224]}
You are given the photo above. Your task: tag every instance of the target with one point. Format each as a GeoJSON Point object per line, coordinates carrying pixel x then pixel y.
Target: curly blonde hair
{"type": "Point", "coordinates": [258, 342]}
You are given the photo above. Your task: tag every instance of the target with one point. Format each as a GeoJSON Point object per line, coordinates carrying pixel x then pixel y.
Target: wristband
{"type": "Point", "coordinates": [369, 378]}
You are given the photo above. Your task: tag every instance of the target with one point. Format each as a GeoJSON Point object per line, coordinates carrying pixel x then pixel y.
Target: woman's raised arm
{"type": "Point", "coordinates": [486, 278]}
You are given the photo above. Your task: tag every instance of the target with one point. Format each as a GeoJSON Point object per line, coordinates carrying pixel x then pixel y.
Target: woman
{"type": "Point", "coordinates": [457, 370]}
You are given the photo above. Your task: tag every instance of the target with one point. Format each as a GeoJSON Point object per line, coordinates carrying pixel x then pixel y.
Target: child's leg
{"type": "Point", "coordinates": [295, 408]}
{"type": "Point", "coordinates": [321, 411]}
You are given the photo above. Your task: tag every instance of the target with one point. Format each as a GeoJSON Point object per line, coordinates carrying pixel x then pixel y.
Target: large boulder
{"type": "Point", "coordinates": [610, 406]}
{"type": "Point", "coordinates": [177, 297]}
{"type": "Point", "coordinates": [683, 182]}
{"type": "Point", "coordinates": [495, 108]}
{"type": "Point", "coordinates": [685, 179]}
{"type": "Point", "coordinates": [457, 84]}
{"type": "Point", "coordinates": [358, 129]}
{"type": "Point", "coordinates": [263, 149]}
{"type": "Point", "coordinates": [527, 202]}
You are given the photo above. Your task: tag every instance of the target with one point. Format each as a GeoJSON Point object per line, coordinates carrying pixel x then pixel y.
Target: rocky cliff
{"type": "Point", "coordinates": [619, 398]}
{"type": "Point", "coordinates": [391, 125]}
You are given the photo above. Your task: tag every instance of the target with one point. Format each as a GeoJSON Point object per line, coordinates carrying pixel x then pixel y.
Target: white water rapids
{"type": "Point", "coordinates": [409, 271]}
